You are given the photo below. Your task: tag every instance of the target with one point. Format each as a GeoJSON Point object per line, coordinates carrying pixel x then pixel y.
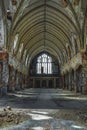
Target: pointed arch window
{"type": "Point", "coordinates": [44, 64]}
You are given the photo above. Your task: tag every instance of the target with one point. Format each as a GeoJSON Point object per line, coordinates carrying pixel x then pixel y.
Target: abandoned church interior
{"type": "Point", "coordinates": [43, 44]}
{"type": "Point", "coordinates": [43, 64]}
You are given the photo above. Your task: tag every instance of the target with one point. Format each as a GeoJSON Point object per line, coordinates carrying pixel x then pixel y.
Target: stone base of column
{"type": "Point", "coordinates": [84, 73]}
{"type": "Point", "coordinates": [17, 87]}
{"type": "Point", "coordinates": [3, 91]}
{"type": "Point", "coordinates": [84, 89]}
{"type": "Point", "coordinates": [70, 89]}
{"type": "Point", "coordinates": [13, 89]}
{"type": "Point", "coordinates": [23, 86]}
{"type": "Point", "coordinates": [76, 89]}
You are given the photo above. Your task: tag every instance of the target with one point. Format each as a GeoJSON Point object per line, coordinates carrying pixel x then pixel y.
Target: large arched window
{"type": "Point", "coordinates": [44, 64]}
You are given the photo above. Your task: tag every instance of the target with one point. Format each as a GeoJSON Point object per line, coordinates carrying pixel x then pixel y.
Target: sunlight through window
{"type": "Point", "coordinates": [44, 64]}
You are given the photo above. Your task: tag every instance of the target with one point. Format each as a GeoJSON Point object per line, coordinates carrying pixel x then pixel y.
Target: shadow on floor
{"type": "Point", "coordinates": [32, 102]}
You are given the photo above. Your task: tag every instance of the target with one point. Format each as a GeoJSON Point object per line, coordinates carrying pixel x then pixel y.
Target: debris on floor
{"type": "Point", "coordinates": [10, 117]}
{"type": "Point", "coordinates": [79, 116]}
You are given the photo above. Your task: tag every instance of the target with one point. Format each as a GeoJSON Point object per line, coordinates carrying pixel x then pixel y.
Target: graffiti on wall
{"type": "Point", "coordinates": [1, 30]}
{"type": "Point", "coordinates": [5, 72]}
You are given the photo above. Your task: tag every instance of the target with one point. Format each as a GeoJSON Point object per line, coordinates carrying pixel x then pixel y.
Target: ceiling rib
{"type": "Point", "coordinates": [44, 25]}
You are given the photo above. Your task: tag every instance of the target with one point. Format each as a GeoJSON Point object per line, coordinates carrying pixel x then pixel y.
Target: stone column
{"type": "Point", "coordinates": [54, 82]}
{"type": "Point", "coordinates": [40, 83]}
{"type": "Point", "coordinates": [64, 83]}
{"type": "Point", "coordinates": [18, 84]}
{"type": "Point", "coordinates": [16, 80]}
{"type": "Point", "coordinates": [75, 82]}
{"type": "Point", "coordinates": [47, 83]}
{"type": "Point", "coordinates": [13, 84]}
{"type": "Point", "coordinates": [84, 79]}
{"type": "Point", "coordinates": [12, 80]}
{"type": "Point", "coordinates": [33, 82]}
{"type": "Point", "coordinates": [22, 82]}
{"type": "Point", "coordinates": [84, 73]}
{"type": "Point", "coordinates": [69, 81]}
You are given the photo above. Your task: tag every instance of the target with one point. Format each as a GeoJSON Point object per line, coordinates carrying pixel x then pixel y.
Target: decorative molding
{"type": "Point", "coordinates": [17, 65]}
{"type": "Point", "coordinates": [73, 64]}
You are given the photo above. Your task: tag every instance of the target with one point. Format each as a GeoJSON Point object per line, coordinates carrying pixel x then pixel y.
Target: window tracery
{"type": "Point", "coordinates": [44, 64]}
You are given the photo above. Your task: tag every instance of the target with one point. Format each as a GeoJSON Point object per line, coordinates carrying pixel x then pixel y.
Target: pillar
{"type": "Point", "coordinates": [4, 73]}
{"type": "Point", "coordinates": [23, 82]}
{"type": "Point", "coordinates": [69, 81]}
{"type": "Point", "coordinates": [47, 82]}
{"type": "Point", "coordinates": [33, 82]}
{"type": "Point", "coordinates": [84, 79]}
{"type": "Point", "coordinates": [12, 79]}
{"type": "Point", "coordinates": [83, 73]}
{"type": "Point", "coordinates": [64, 80]}
{"type": "Point", "coordinates": [40, 83]}
{"type": "Point", "coordinates": [72, 80]}
{"type": "Point", "coordinates": [75, 82]}
{"type": "Point", "coordinates": [13, 84]}
{"type": "Point", "coordinates": [54, 82]}
{"type": "Point", "coordinates": [19, 81]}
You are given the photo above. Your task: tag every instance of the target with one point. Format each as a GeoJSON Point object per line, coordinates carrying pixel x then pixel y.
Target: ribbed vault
{"type": "Point", "coordinates": [44, 25]}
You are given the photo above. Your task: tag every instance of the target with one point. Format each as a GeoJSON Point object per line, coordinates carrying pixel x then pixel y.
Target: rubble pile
{"type": "Point", "coordinates": [11, 117]}
{"type": "Point", "coordinates": [77, 116]}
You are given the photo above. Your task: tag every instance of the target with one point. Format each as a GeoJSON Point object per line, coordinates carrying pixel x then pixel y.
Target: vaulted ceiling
{"type": "Point", "coordinates": [44, 25]}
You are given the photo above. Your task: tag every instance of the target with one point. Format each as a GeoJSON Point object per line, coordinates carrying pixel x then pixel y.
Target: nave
{"type": "Point", "coordinates": [43, 63]}
{"type": "Point", "coordinates": [50, 109]}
